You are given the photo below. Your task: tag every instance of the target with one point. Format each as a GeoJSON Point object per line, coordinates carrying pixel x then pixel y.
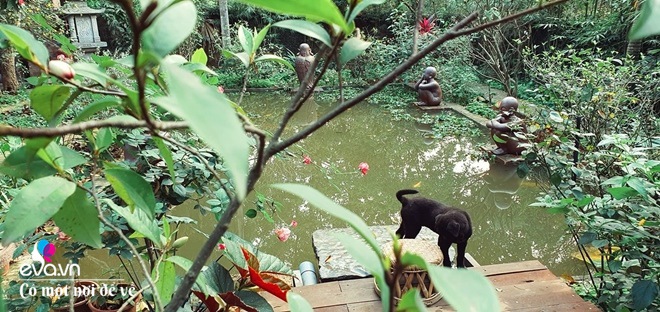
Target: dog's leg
{"type": "Point", "coordinates": [401, 232]}
{"type": "Point", "coordinates": [444, 247]}
{"type": "Point", "coordinates": [411, 230]}
{"type": "Point", "coordinates": [460, 254]}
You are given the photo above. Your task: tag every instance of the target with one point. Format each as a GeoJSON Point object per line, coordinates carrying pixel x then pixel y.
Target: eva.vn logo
{"type": "Point", "coordinates": [41, 253]}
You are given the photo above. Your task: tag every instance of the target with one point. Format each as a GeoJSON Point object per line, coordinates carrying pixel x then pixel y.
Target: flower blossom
{"type": "Point", "coordinates": [283, 233]}
{"type": "Point", "coordinates": [221, 89]}
{"type": "Point", "coordinates": [222, 247]}
{"type": "Point", "coordinates": [294, 223]}
{"type": "Point", "coordinates": [307, 160]}
{"type": "Point", "coordinates": [364, 168]}
{"type": "Point", "coordinates": [61, 69]}
{"type": "Point", "coordinates": [425, 25]}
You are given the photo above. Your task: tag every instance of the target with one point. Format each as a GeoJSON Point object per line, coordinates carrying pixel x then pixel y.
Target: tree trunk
{"type": "Point", "coordinates": [8, 70]}
{"type": "Point", "coordinates": [418, 17]}
{"type": "Point", "coordinates": [224, 23]}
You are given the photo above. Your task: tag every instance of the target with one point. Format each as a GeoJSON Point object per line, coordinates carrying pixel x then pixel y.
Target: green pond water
{"type": "Point", "coordinates": [506, 228]}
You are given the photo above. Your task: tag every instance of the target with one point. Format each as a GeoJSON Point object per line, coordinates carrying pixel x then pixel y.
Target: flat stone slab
{"type": "Point", "coordinates": [479, 120]}
{"type": "Point", "coordinates": [335, 263]}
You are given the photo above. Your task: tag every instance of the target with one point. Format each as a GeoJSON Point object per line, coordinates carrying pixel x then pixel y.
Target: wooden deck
{"type": "Point", "coordinates": [521, 286]}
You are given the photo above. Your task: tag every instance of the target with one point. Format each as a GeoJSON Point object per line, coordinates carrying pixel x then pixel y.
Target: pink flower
{"type": "Point", "coordinates": [364, 167]}
{"type": "Point", "coordinates": [21, 2]}
{"type": "Point", "coordinates": [307, 160]}
{"type": "Point", "coordinates": [221, 89]}
{"type": "Point", "coordinates": [283, 234]}
{"type": "Point", "coordinates": [61, 69]}
{"type": "Point", "coordinates": [222, 247]}
{"type": "Point", "coordinates": [294, 223]}
{"type": "Point", "coordinates": [425, 25]}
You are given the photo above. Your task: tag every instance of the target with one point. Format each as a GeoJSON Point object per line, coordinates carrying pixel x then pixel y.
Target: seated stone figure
{"type": "Point", "coordinates": [504, 126]}
{"type": "Point", "coordinates": [303, 62]}
{"type": "Point", "coordinates": [428, 90]}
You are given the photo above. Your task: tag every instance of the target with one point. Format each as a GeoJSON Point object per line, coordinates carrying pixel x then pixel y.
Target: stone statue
{"type": "Point", "coordinates": [304, 61]}
{"type": "Point", "coordinates": [504, 127]}
{"type": "Point", "coordinates": [428, 90]}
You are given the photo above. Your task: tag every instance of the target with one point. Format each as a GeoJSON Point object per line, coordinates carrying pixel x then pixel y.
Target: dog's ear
{"type": "Point", "coordinates": [454, 228]}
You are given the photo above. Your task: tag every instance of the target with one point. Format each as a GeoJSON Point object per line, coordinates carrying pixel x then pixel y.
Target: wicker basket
{"type": "Point", "coordinates": [414, 277]}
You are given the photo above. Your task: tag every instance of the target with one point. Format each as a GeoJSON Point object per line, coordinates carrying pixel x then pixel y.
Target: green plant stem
{"type": "Point", "coordinates": [245, 80]}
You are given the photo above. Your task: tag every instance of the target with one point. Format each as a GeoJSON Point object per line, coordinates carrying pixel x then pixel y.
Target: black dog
{"type": "Point", "coordinates": [452, 224]}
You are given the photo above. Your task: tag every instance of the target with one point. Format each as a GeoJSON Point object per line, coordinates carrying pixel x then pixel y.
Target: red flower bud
{"type": "Point", "coordinates": [61, 69]}
{"type": "Point", "coordinates": [364, 167]}
{"type": "Point", "coordinates": [307, 160]}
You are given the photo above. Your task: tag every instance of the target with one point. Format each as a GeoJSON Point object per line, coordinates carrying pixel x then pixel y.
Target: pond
{"type": "Point", "coordinates": [506, 228]}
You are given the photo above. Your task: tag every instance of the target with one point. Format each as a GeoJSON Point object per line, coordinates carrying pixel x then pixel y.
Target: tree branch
{"type": "Point", "coordinates": [88, 125]}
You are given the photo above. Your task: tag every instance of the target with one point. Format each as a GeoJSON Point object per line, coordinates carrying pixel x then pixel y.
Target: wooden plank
{"type": "Point", "coordinates": [508, 268]}
{"type": "Point", "coordinates": [314, 294]}
{"type": "Point", "coordinates": [339, 308]}
{"type": "Point", "coordinates": [522, 277]}
{"type": "Point", "coordinates": [573, 306]}
{"type": "Point", "coordinates": [536, 295]}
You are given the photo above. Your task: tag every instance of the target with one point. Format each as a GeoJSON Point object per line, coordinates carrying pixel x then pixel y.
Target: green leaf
{"type": "Point", "coordinates": [254, 300]}
{"type": "Point", "coordinates": [27, 46]}
{"type": "Point", "coordinates": [199, 57]}
{"type": "Point", "coordinates": [52, 155]}
{"type": "Point", "coordinates": [170, 28]}
{"type": "Point", "coordinates": [274, 58]}
{"type": "Point", "coordinates": [647, 23]}
{"type": "Point", "coordinates": [259, 38]}
{"type": "Point", "coordinates": [352, 48]}
{"type": "Point", "coordinates": [307, 28]}
{"type": "Point", "coordinates": [318, 10]}
{"type": "Point", "coordinates": [167, 156]}
{"type": "Point", "coordinates": [165, 281]}
{"type": "Point", "coordinates": [368, 258]}
{"type": "Point", "coordinates": [643, 294]}
{"type": "Point", "coordinates": [96, 107]}
{"type": "Point", "coordinates": [599, 243]}
{"type": "Point", "coordinates": [622, 192]}
{"type": "Point", "coordinates": [209, 114]}
{"type": "Point", "coordinates": [217, 278]}
{"type": "Point", "coordinates": [638, 185]}
{"type": "Point", "coordinates": [459, 287]}
{"type": "Point", "coordinates": [411, 301]}
{"type": "Point", "coordinates": [587, 238]}
{"type": "Point", "coordinates": [79, 219]}
{"type": "Point", "coordinates": [242, 56]}
{"type": "Point", "coordinates": [93, 72]}
{"type": "Point", "coordinates": [361, 6]}
{"type": "Point", "coordinates": [34, 205]}
{"type": "Point", "coordinates": [201, 283]}
{"type": "Point", "coordinates": [251, 213]}
{"type": "Point", "coordinates": [298, 303]}
{"type": "Point", "coordinates": [133, 189]}
{"type": "Point", "coordinates": [23, 163]}
{"type": "Point", "coordinates": [139, 221]}
{"type": "Point", "coordinates": [104, 138]}
{"type": "Point", "coordinates": [47, 100]}
{"type": "Point", "coordinates": [554, 116]}
{"type": "Point", "coordinates": [324, 203]}
{"type": "Point", "coordinates": [246, 39]}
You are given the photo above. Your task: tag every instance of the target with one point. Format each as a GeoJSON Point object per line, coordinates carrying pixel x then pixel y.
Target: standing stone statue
{"type": "Point", "coordinates": [428, 90]}
{"type": "Point", "coordinates": [504, 127]}
{"type": "Point", "coordinates": [304, 61]}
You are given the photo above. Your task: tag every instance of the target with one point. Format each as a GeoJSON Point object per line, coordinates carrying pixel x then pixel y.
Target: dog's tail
{"type": "Point", "coordinates": [399, 194]}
